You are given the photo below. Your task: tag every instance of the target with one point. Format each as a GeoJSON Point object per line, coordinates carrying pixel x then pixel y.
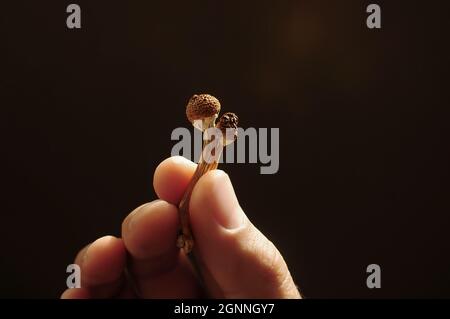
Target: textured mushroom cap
{"type": "Point", "coordinates": [228, 120]}
{"type": "Point", "coordinates": [228, 124]}
{"type": "Point", "coordinates": [202, 106]}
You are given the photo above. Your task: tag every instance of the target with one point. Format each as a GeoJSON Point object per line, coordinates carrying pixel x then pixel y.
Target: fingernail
{"type": "Point", "coordinates": [227, 211]}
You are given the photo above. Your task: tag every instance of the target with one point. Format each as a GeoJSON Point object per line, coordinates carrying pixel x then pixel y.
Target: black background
{"type": "Point", "coordinates": [86, 116]}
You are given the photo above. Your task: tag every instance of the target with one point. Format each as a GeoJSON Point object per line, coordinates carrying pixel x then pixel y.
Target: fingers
{"type": "Point", "coordinates": [101, 264]}
{"type": "Point", "coordinates": [240, 262]}
{"type": "Point", "coordinates": [156, 265]}
{"type": "Point", "coordinates": [149, 233]}
{"type": "Point", "coordinates": [172, 177]}
{"type": "Point", "coordinates": [76, 293]}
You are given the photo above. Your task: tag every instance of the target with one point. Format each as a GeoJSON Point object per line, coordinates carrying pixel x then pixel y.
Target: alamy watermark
{"type": "Point", "coordinates": [74, 279]}
{"type": "Point", "coordinates": [374, 278]}
{"type": "Point", "coordinates": [253, 145]}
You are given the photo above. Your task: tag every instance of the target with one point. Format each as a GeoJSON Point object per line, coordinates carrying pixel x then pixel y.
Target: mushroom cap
{"type": "Point", "coordinates": [228, 120]}
{"type": "Point", "coordinates": [201, 106]}
{"type": "Point", "coordinates": [228, 124]}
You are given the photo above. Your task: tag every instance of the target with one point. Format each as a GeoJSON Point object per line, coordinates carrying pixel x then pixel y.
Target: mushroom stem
{"type": "Point", "coordinates": [185, 239]}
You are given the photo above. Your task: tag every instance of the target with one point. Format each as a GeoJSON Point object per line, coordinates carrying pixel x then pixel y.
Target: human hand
{"type": "Point", "coordinates": [236, 259]}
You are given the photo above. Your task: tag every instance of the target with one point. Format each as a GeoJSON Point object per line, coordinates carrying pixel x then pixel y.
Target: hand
{"type": "Point", "coordinates": [237, 260]}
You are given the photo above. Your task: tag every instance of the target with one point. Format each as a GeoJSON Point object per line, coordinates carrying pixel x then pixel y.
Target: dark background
{"type": "Point", "coordinates": [86, 116]}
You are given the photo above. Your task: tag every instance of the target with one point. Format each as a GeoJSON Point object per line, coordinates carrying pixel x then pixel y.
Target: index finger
{"type": "Point", "coordinates": [172, 177]}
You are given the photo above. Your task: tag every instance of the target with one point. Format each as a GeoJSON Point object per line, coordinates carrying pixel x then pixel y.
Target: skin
{"type": "Point", "coordinates": [238, 261]}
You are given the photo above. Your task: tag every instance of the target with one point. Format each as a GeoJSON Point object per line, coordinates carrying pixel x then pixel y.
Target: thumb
{"type": "Point", "coordinates": [236, 259]}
